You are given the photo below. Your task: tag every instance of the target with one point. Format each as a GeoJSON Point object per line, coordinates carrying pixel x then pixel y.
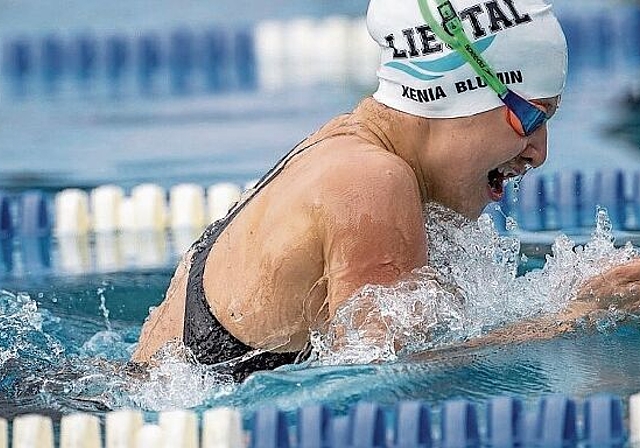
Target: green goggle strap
{"type": "Point", "coordinates": [452, 33]}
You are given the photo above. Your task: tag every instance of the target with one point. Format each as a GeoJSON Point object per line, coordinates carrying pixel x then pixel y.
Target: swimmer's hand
{"type": "Point", "coordinates": [619, 286]}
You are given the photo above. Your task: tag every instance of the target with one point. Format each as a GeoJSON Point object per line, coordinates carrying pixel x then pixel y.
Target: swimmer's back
{"type": "Point", "coordinates": [266, 277]}
{"type": "Point", "coordinates": [268, 267]}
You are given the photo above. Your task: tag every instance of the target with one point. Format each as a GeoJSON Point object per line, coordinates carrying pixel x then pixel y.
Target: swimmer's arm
{"type": "Point", "coordinates": [539, 328]}
{"type": "Point", "coordinates": [166, 322]}
{"type": "Point", "coordinates": [375, 233]}
{"type": "Point", "coordinates": [618, 288]}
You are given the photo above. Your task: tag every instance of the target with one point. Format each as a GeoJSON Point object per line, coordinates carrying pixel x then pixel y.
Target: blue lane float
{"type": "Point", "coordinates": [531, 203]}
{"type": "Point", "coordinates": [35, 217]}
{"type": "Point", "coordinates": [245, 60]}
{"type": "Point", "coordinates": [149, 62]}
{"type": "Point", "coordinates": [117, 55]}
{"type": "Point", "coordinates": [6, 233]}
{"type": "Point", "coordinates": [459, 425]}
{"type": "Point", "coordinates": [270, 429]}
{"type": "Point", "coordinates": [503, 422]}
{"type": "Point", "coordinates": [84, 58]}
{"type": "Point", "coordinates": [17, 64]}
{"type": "Point", "coordinates": [604, 422]}
{"type": "Point", "coordinates": [6, 217]}
{"type": "Point", "coordinates": [52, 61]}
{"type": "Point", "coordinates": [182, 57]}
{"type": "Point", "coordinates": [573, 30]}
{"type": "Point", "coordinates": [555, 423]}
{"type": "Point", "coordinates": [340, 432]}
{"type": "Point", "coordinates": [314, 426]}
{"type": "Point", "coordinates": [609, 191]}
{"type": "Point", "coordinates": [367, 426]}
{"type": "Point", "coordinates": [413, 424]}
{"type": "Point", "coordinates": [35, 227]}
{"type": "Point", "coordinates": [568, 201]}
{"type": "Point", "coordinates": [215, 60]}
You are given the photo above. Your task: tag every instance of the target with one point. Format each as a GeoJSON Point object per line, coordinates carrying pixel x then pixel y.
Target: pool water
{"type": "Point", "coordinates": [66, 341]}
{"type": "Point", "coordinates": [57, 367]}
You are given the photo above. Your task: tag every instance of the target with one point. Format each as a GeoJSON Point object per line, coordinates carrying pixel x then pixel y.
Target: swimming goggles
{"type": "Point", "coordinates": [523, 116]}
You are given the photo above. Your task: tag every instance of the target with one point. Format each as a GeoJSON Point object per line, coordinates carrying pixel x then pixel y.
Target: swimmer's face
{"type": "Point", "coordinates": [484, 152]}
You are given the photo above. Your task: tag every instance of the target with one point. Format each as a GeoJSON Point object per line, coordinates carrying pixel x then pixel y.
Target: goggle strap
{"type": "Point", "coordinates": [451, 32]}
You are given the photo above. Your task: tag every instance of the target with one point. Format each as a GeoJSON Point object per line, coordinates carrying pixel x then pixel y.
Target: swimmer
{"type": "Point", "coordinates": [449, 123]}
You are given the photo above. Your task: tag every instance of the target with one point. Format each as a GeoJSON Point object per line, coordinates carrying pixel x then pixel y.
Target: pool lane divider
{"type": "Point", "coordinates": [459, 424]}
{"type": "Point", "coordinates": [603, 421]}
{"type": "Point", "coordinates": [6, 221]}
{"type": "Point", "coordinates": [181, 427]}
{"type": "Point", "coordinates": [634, 419]}
{"type": "Point", "coordinates": [80, 431]}
{"type": "Point", "coordinates": [149, 207]}
{"type": "Point", "coordinates": [30, 431]}
{"type": "Point", "coordinates": [554, 421]}
{"type": "Point", "coordinates": [413, 424]}
{"type": "Point", "coordinates": [4, 430]}
{"type": "Point", "coordinates": [35, 219]}
{"type": "Point", "coordinates": [222, 428]}
{"type": "Point", "coordinates": [184, 60]}
{"type": "Point", "coordinates": [314, 426]}
{"type": "Point", "coordinates": [122, 428]}
{"type": "Point", "coordinates": [149, 436]}
{"type": "Point", "coordinates": [540, 202]}
{"type": "Point", "coordinates": [106, 229]}
{"type": "Point", "coordinates": [568, 200]}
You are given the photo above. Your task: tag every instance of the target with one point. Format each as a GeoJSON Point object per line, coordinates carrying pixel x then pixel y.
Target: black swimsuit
{"type": "Point", "coordinates": [208, 340]}
{"type": "Point", "coordinates": [204, 335]}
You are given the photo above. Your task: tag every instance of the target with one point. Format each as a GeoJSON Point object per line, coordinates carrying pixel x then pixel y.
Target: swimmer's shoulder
{"type": "Point", "coordinates": [362, 162]}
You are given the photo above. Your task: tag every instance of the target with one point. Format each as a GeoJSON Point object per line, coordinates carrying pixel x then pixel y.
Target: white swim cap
{"type": "Point", "coordinates": [521, 39]}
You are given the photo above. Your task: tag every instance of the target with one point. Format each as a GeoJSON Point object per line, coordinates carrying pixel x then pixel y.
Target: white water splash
{"type": "Point", "coordinates": [176, 383]}
{"type": "Point", "coordinates": [469, 288]}
{"type": "Point", "coordinates": [103, 308]}
{"type": "Point", "coordinates": [37, 364]}
{"type": "Point", "coordinates": [21, 331]}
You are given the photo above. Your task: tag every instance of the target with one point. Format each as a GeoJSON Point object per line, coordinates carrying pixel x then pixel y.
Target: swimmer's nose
{"type": "Point", "coordinates": [535, 152]}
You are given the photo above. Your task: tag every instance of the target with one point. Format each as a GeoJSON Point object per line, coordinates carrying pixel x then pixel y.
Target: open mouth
{"type": "Point", "coordinates": [497, 179]}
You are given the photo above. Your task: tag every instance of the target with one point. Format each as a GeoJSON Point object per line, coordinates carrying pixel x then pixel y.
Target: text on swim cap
{"type": "Point", "coordinates": [499, 18]}
{"type": "Point", "coordinates": [468, 85]}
